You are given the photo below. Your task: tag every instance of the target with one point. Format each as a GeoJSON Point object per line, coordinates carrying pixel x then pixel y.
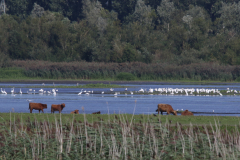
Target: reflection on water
{"type": "Point", "coordinates": [145, 104]}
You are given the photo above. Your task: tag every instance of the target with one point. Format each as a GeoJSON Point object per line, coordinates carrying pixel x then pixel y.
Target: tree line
{"type": "Point", "coordinates": [149, 31]}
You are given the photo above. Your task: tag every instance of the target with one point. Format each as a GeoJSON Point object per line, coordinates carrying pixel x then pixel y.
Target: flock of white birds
{"type": "Point", "coordinates": [185, 91]}
{"type": "Point", "coordinates": [31, 91]}
{"type": "Point", "coordinates": [172, 91]}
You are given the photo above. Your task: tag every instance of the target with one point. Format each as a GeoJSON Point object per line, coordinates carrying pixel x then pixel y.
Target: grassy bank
{"type": "Point", "coordinates": [119, 136]}
{"type": "Point", "coordinates": [97, 85]}
{"type": "Point", "coordinates": [184, 120]}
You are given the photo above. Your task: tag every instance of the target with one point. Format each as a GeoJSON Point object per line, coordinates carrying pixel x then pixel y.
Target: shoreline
{"type": "Point", "coordinates": [114, 82]}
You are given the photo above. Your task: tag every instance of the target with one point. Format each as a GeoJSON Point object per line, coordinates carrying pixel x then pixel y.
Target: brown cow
{"type": "Point", "coordinates": [187, 113]}
{"type": "Point", "coordinates": [96, 112]}
{"type": "Point", "coordinates": [166, 108]}
{"type": "Point", "coordinates": [37, 106]}
{"type": "Point", "coordinates": [57, 107]}
{"type": "Point", "coordinates": [75, 112]}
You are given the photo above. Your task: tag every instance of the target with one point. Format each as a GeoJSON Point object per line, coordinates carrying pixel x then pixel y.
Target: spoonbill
{"type": "Point", "coordinates": [29, 100]}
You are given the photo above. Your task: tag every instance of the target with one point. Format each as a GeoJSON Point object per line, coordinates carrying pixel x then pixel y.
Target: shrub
{"type": "Point", "coordinates": [237, 79]}
{"type": "Point", "coordinates": [125, 76]}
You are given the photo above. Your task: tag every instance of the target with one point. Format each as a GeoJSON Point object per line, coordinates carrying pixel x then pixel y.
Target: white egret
{"type": "Point", "coordinates": [29, 100]}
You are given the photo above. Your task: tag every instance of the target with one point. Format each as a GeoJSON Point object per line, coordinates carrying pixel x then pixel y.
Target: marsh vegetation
{"type": "Point", "coordinates": [118, 136]}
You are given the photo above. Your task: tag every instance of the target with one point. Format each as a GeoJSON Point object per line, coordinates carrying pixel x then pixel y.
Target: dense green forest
{"type": "Point", "coordinates": [170, 32]}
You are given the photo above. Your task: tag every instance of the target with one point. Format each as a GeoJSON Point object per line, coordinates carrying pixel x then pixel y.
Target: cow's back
{"type": "Point", "coordinates": [165, 107]}
{"type": "Point", "coordinates": [37, 105]}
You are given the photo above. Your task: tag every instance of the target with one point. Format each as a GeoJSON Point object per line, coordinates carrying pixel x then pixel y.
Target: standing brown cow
{"type": "Point", "coordinates": [37, 106]}
{"type": "Point", "coordinates": [166, 108]}
{"type": "Point", "coordinates": [57, 107]}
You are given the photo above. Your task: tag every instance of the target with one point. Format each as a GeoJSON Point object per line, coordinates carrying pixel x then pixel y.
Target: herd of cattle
{"type": "Point", "coordinates": [59, 107]}
{"type": "Point", "coordinates": [54, 107]}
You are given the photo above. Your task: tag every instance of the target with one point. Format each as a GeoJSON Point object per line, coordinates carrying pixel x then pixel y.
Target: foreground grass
{"type": "Point", "coordinates": [117, 136]}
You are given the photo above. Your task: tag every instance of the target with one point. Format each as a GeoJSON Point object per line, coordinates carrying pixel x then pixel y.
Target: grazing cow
{"type": "Point", "coordinates": [96, 112]}
{"type": "Point", "coordinates": [57, 107]}
{"type": "Point", "coordinates": [75, 112]}
{"type": "Point", "coordinates": [166, 108]}
{"type": "Point", "coordinates": [37, 106]}
{"type": "Point", "coordinates": [187, 113]}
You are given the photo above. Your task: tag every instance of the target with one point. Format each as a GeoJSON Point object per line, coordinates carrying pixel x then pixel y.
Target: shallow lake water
{"type": "Point", "coordinates": [108, 103]}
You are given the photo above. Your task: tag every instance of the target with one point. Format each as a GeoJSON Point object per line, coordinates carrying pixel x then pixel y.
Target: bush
{"type": "Point", "coordinates": [237, 79]}
{"type": "Point", "coordinates": [125, 76]}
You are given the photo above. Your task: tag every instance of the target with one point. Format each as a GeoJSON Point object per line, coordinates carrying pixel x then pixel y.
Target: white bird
{"type": "Point", "coordinates": [131, 92]}
{"type": "Point", "coordinates": [4, 92]}
{"type": "Point", "coordinates": [87, 93]}
{"type": "Point", "coordinates": [213, 110]}
{"type": "Point", "coordinates": [30, 90]}
{"type": "Point", "coordinates": [125, 89]}
{"type": "Point", "coordinates": [29, 100]}
{"type": "Point", "coordinates": [80, 92]}
{"type": "Point", "coordinates": [115, 94]}
{"type": "Point", "coordinates": [111, 89]}
{"type": "Point", "coordinates": [20, 91]}
{"type": "Point", "coordinates": [41, 90]}
{"type": "Point", "coordinates": [43, 84]}
{"type": "Point", "coordinates": [12, 90]}
{"type": "Point", "coordinates": [102, 92]}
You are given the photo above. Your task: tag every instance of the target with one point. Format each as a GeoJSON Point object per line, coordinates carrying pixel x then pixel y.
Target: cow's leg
{"type": "Point", "coordinates": [158, 111]}
{"type": "Point", "coordinates": [59, 111]}
{"type": "Point", "coordinates": [42, 111]}
{"type": "Point", "coordinates": [39, 110]}
{"type": "Point", "coordinates": [31, 110]}
{"type": "Point", "coordinates": [161, 112]}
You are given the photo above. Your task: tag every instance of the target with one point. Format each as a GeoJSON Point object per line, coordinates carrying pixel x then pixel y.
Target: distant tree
{"type": "Point", "coordinates": [93, 14]}
{"type": "Point", "coordinates": [37, 11]}
{"type": "Point", "coordinates": [142, 13]}
{"type": "Point", "coordinates": [124, 8]}
{"type": "Point", "coordinates": [193, 13]}
{"type": "Point", "coordinates": [230, 16]}
{"type": "Point", "coordinates": [165, 10]}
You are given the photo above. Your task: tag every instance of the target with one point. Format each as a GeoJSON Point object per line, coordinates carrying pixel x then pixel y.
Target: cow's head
{"type": "Point", "coordinates": [62, 105]}
{"type": "Point", "coordinates": [175, 113]}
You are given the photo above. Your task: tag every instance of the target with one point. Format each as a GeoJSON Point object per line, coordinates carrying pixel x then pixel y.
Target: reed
{"type": "Point", "coordinates": [205, 71]}
{"type": "Point", "coordinates": [117, 137]}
